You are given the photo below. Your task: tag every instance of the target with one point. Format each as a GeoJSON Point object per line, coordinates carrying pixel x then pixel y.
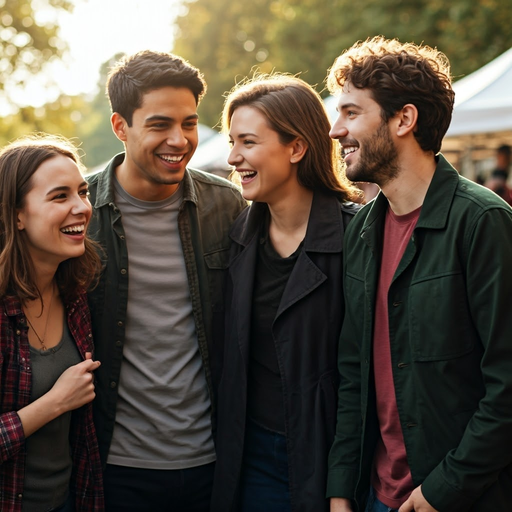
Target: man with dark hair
{"type": "Point", "coordinates": [164, 229]}
{"type": "Point", "coordinates": [424, 412]}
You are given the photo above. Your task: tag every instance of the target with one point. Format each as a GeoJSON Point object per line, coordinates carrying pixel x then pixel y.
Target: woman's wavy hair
{"type": "Point", "coordinates": [397, 74]}
{"type": "Point", "coordinates": [294, 109]}
{"type": "Point", "coordinates": [18, 163]}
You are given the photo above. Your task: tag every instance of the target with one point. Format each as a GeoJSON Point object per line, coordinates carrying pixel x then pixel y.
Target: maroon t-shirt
{"type": "Point", "coordinates": [391, 477]}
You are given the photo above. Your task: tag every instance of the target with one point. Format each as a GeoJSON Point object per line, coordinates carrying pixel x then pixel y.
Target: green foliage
{"type": "Point", "coordinates": [99, 142]}
{"type": "Point", "coordinates": [26, 42]}
{"type": "Point", "coordinates": [226, 39]}
{"type": "Point", "coordinates": [59, 117]}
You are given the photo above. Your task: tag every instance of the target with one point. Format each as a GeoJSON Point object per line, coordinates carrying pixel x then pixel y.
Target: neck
{"type": "Point", "coordinates": [142, 189]}
{"type": "Point", "coordinates": [292, 212]}
{"type": "Point", "coordinates": [407, 191]}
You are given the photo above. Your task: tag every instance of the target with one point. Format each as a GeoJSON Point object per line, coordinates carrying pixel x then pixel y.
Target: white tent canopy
{"type": "Point", "coordinates": [483, 99]}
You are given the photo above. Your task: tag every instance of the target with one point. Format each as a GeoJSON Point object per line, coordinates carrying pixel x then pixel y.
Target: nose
{"type": "Point", "coordinates": [81, 206]}
{"type": "Point", "coordinates": [234, 156]}
{"type": "Point", "coordinates": [176, 138]}
{"type": "Point", "coordinates": [338, 129]}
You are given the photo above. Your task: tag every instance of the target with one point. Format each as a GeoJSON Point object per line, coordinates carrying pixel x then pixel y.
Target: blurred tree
{"type": "Point", "coordinates": [226, 39]}
{"type": "Point", "coordinates": [28, 39]}
{"type": "Point", "coordinates": [99, 142]}
{"type": "Point", "coordinates": [61, 117]}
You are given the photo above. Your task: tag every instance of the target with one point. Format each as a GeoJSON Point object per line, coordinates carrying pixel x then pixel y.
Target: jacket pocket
{"type": "Point", "coordinates": [440, 321]}
{"type": "Point", "coordinates": [217, 263]}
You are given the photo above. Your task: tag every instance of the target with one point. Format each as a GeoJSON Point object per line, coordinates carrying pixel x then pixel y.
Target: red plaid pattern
{"type": "Point", "coordinates": [15, 385]}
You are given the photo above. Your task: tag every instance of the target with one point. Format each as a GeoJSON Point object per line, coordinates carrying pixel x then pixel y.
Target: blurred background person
{"type": "Point", "coordinates": [497, 181]}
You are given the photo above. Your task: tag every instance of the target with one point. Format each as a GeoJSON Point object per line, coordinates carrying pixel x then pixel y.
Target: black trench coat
{"type": "Point", "coordinates": [306, 332]}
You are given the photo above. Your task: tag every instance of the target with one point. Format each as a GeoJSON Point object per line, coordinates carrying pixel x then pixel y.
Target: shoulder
{"type": "Point", "coordinates": [206, 179]}
{"type": "Point", "coordinates": [214, 194]}
{"type": "Point", "coordinates": [476, 196]}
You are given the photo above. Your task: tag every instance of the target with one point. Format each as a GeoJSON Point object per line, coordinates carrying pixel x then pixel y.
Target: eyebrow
{"type": "Point", "coordinates": [242, 135]}
{"type": "Point", "coordinates": [158, 117]}
{"type": "Point", "coordinates": [65, 188]}
{"type": "Point", "coordinates": [347, 105]}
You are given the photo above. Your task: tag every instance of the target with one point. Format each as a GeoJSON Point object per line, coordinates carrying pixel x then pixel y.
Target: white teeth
{"type": "Point", "coordinates": [347, 151]}
{"type": "Point", "coordinates": [244, 174]}
{"type": "Point", "coordinates": [172, 159]}
{"type": "Point", "coordinates": [74, 229]}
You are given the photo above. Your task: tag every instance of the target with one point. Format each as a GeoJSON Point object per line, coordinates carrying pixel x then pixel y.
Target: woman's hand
{"type": "Point", "coordinates": [74, 388]}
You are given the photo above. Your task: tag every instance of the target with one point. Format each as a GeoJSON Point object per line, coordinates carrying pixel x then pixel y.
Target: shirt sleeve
{"type": "Point", "coordinates": [12, 436]}
{"type": "Point", "coordinates": [483, 452]}
{"type": "Point", "coordinates": [344, 457]}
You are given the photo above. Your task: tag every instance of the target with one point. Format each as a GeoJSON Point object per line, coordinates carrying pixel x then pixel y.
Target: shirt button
{"type": "Point", "coordinates": [120, 324]}
{"type": "Point", "coordinates": [123, 271]}
{"type": "Point", "coordinates": [113, 384]}
{"type": "Point", "coordinates": [18, 332]}
{"type": "Point", "coordinates": [119, 343]}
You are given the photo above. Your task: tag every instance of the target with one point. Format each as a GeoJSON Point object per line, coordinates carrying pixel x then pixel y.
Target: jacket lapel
{"type": "Point", "coordinates": [324, 235]}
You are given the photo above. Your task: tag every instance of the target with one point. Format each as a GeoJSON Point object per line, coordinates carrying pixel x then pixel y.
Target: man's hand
{"type": "Point", "coordinates": [416, 503]}
{"type": "Point", "coordinates": [340, 505]}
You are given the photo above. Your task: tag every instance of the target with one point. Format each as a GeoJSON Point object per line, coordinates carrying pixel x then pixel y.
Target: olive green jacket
{"type": "Point", "coordinates": [209, 207]}
{"type": "Point", "coordinates": [450, 328]}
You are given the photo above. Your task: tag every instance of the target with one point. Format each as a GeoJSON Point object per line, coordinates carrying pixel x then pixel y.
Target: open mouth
{"type": "Point", "coordinates": [74, 230]}
{"type": "Point", "coordinates": [171, 159]}
{"type": "Point", "coordinates": [247, 175]}
{"type": "Point", "coordinates": [348, 150]}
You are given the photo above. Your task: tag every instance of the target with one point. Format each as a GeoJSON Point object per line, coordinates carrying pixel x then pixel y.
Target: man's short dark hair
{"type": "Point", "coordinates": [134, 76]}
{"type": "Point", "coordinates": [397, 74]}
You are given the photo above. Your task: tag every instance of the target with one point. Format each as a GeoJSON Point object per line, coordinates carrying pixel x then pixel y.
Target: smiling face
{"type": "Point", "coordinates": [267, 167]}
{"type": "Point", "coordinates": [159, 144]}
{"type": "Point", "coordinates": [55, 213]}
{"type": "Point", "coordinates": [368, 149]}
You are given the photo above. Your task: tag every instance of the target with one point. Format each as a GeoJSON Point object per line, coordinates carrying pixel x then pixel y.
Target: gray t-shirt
{"type": "Point", "coordinates": [48, 463]}
{"type": "Point", "coordinates": [163, 408]}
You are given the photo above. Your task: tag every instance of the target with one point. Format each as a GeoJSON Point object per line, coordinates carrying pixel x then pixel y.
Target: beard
{"type": "Point", "coordinates": [378, 159]}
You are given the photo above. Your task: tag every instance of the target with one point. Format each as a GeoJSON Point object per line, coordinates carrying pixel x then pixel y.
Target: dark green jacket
{"type": "Point", "coordinates": [210, 205]}
{"type": "Point", "coordinates": [450, 328]}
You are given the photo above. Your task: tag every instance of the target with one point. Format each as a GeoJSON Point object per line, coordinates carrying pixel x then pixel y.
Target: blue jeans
{"type": "Point", "coordinates": [375, 505]}
{"type": "Point", "coordinates": [264, 479]}
{"type": "Point", "coordinates": [154, 490]}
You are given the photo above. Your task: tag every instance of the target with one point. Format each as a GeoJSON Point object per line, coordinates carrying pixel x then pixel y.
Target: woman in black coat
{"type": "Point", "coordinates": [277, 396]}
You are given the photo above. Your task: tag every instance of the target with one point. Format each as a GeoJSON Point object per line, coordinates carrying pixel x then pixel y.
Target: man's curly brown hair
{"type": "Point", "coordinates": [398, 74]}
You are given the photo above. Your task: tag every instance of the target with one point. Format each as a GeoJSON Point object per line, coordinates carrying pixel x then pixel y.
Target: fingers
{"type": "Point", "coordinates": [88, 365]}
{"type": "Point", "coordinates": [88, 355]}
{"type": "Point", "coordinates": [407, 506]}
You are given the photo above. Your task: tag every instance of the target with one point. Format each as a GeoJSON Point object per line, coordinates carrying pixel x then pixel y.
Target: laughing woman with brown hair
{"type": "Point", "coordinates": [277, 395]}
{"type": "Point", "coordinates": [49, 456]}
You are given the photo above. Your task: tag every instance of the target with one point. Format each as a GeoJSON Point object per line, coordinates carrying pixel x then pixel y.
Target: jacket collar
{"type": "Point", "coordinates": [12, 305]}
{"type": "Point", "coordinates": [324, 226]}
{"type": "Point", "coordinates": [437, 203]}
{"type": "Point", "coordinates": [105, 193]}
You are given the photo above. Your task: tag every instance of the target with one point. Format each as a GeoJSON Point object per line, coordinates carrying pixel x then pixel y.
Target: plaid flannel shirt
{"type": "Point", "coordinates": [15, 386]}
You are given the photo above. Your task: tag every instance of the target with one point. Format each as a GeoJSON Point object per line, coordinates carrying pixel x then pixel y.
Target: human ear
{"type": "Point", "coordinates": [299, 148]}
{"type": "Point", "coordinates": [119, 126]}
{"type": "Point", "coordinates": [407, 119]}
{"type": "Point", "coordinates": [19, 221]}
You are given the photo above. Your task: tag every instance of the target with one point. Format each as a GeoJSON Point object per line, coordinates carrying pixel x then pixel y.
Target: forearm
{"type": "Point", "coordinates": [39, 413]}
